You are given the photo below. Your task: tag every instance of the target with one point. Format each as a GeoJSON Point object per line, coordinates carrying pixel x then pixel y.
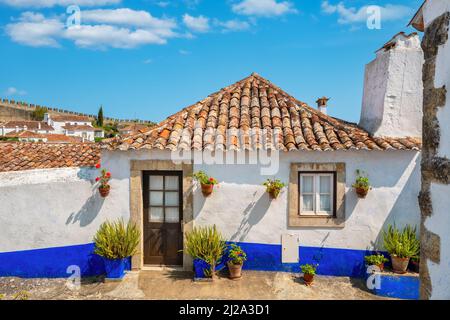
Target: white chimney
{"type": "Point", "coordinates": [322, 104]}
{"type": "Point", "coordinates": [17, 128]}
{"type": "Point", "coordinates": [25, 128]}
{"type": "Point", "coordinates": [39, 125]}
{"type": "Point", "coordinates": [393, 89]}
{"type": "Point", "coordinates": [47, 118]}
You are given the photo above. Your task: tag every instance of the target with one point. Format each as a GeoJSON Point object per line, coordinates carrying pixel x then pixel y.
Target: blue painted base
{"type": "Point", "coordinates": [52, 262]}
{"type": "Point", "coordinates": [398, 286]}
{"type": "Point", "coordinates": [115, 269]}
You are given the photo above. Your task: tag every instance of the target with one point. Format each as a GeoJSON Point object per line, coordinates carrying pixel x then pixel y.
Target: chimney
{"type": "Point", "coordinates": [25, 128]}
{"type": "Point", "coordinates": [17, 129]}
{"type": "Point", "coordinates": [322, 104]}
{"type": "Point", "coordinates": [393, 89]}
{"type": "Point", "coordinates": [39, 125]}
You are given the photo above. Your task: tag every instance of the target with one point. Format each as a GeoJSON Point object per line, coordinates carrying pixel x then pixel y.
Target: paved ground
{"type": "Point", "coordinates": [179, 285]}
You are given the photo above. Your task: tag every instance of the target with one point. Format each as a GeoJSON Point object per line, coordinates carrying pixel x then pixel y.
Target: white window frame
{"type": "Point", "coordinates": [316, 194]}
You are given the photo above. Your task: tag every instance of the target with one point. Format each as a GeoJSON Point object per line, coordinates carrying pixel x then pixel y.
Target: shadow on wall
{"type": "Point", "coordinates": [253, 214]}
{"type": "Point", "coordinates": [89, 211]}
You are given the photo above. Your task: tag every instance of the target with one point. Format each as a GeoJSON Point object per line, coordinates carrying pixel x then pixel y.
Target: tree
{"type": "Point", "coordinates": [100, 117]}
{"type": "Point", "coordinates": [38, 113]}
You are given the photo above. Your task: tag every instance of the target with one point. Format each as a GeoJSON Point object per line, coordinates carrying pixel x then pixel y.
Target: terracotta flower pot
{"type": "Point", "coordinates": [361, 192]}
{"type": "Point", "coordinates": [399, 265]}
{"type": "Point", "coordinates": [381, 267]}
{"type": "Point", "coordinates": [104, 191]}
{"type": "Point", "coordinates": [235, 270]}
{"type": "Point", "coordinates": [274, 193]}
{"type": "Point", "coordinates": [207, 189]}
{"type": "Point", "coordinates": [308, 278]}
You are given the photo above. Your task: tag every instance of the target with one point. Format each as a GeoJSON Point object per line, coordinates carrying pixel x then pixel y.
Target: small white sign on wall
{"type": "Point", "coordinates": [289, 244]}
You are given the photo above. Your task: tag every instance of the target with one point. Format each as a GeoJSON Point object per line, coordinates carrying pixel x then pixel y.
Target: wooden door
{"type": "Point", "coordinates": [163, 212]}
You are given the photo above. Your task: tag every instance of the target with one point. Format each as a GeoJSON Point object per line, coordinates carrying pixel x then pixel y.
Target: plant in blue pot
{"type": "Point", "coordinates": [116, 242]}
{"type": "Point", "coordinates": [206, 246]}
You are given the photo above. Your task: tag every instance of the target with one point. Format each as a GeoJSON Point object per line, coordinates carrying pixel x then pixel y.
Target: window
{"type": "Point", "coordinates": [316, 194]}
{"type": "Point", "coordinates": [164, 198]}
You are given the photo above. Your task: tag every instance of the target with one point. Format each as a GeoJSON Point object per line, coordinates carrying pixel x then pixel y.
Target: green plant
{"type": "Point", "coordinates": [100, 117]}
{"type": "Point", "coordinates": [274, 186]}
{"type": "Point", "coordinates": [237, 255]}
{"type": "Point", "coordinates": [362, 180]}
{"type": "Point", "coordinates": [38, 113]}
{"type": "Point", "coordinates": [402, 244]}
{"type": "Point", "coordinates": [203, 178]}
{"type": "Point", "coordinates": [116, 240]}
{"type": "Point", "coordinates": [375, 260]}
{"type": "Point", "coordinates": [104, 177]}
{"type": "Point", "coordinates": [207, 244]}
{"type": "Point", "coordinates": [309, 269]}
{"type": "Point", "coordinates": [2, 296]}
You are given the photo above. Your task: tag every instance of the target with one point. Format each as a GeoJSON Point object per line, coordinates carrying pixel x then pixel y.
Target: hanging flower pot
{"type": "Point", "coordinates": [273, 188]}
{"type": "Point", "coordinates": [104, 178]}
{"type": "Point", "coordinates": [206, 182]}
{"type": "Point", "coordinates": [361, 185]}
{"type": "Point", "coordinates": [104, 190]}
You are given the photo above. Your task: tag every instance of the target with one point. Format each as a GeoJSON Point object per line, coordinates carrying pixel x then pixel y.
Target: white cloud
{"type": "Point", "coordinates": [120, 28]}
{"type": "Point", "coordinates": [233, 25]}
{"type": "Point", "coordinates": [350, 15]}
{"type": "Point", "coordinates": [263, 8]}
{"type": "Point", "coordinates": [12, 91]}
{"type": "Point", "coordinates": [184, 52]}
{"type": "Point", "coordinates": [147, 61]}
{"type": "Point", "coordinates": [53, 3]}
{"type": "Point", "coordinates": [196, 24]}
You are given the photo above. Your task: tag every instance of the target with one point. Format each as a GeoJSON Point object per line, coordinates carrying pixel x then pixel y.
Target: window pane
{"type": "Point", "coordinates": [156, 198]}
{"type": "Point", "coordinates": [325, 203]}
{"type": "Point", "coordinates": [171, 183]}
{"type": "Point", "coordinates": [172, 215]}
{"type": "Point", "coordinates": [307, 184]}
{"type": "Point", "coordinates": [308, 203]}
{"type": "Point", "coordinates": [325, 184]}
{"type": "Point", "coordinates": [171, 199]}
{"type": "Point", "coordinates": [156, 214]}
{"type": "Point", "coordinates": [156, 182]}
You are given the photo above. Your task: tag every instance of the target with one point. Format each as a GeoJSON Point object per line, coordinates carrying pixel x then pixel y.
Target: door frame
{"type": "Point", "coordinates": [137, 168]}
{"type": "Point", "coordinates": [145, 196]}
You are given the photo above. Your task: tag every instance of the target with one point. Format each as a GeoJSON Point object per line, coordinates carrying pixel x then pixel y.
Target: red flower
{"type": "Point", "coordinates": [97, 179]}
{"type": "Point", "coordinates": [98, 165]}
{"type": "Point", "coordinates": [211, 179]}
{"type": "Point", "coordinates": [108, 174]}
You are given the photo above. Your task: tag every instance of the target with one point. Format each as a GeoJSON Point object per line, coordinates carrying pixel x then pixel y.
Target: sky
{"type": "Point", "coordinates": [149, 59]}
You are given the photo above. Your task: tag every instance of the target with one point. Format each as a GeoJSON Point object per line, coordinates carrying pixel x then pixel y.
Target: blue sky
{"type": "Point", "coordinates": [149, 59]}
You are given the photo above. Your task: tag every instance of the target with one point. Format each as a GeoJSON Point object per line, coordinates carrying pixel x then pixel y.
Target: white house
{"type": "Point", "coordinates": [241, 135]}
{"type": "Point", "coordinates": [39, 127]}
{"type": "Point", "coordinates": [72, 125]}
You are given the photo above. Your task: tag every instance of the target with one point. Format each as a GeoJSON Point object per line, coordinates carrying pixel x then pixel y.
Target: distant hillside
{"type": "Point", "coordinates": [18, 110]}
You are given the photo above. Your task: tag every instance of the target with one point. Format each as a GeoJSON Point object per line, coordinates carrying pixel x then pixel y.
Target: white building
{"type": "Point", "coordinates": [72, 125]}
{"type": "Point", "coordinates": [40, 127]}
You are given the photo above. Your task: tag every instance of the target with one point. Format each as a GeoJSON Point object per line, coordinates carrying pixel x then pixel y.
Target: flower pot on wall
{"type": "Point", "coordinates": [235, 270]}
{"type": "Point", "coordinates": [207, 189]}
{"type": "Point", "coordinates": [104, 190]}
{"type": "Point", "coordinates": [361, 192]}
{"type": "Point", "coordinates": [274, 193]}
{"type": "Point", "coordinates": [115, 268]}
{"type": "Point", "coordinates": [399, 265]}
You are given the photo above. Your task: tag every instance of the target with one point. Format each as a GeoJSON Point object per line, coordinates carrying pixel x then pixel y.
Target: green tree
{"type": "Point", "coordinates": [100, 117]}
{"type": "Point", "coordinates": [38, 113]}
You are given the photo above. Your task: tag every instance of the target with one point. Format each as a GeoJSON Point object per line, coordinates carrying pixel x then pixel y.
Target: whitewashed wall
{"type": "Point", "coordinates": [54, 208]}
{"type": "Point", "coordinates": [439, 222]}
{"type": "Point", "coordinates": [242, 210]}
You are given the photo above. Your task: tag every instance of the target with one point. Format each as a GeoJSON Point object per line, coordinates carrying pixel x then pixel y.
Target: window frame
{"type": "Point", "coordinates": [316, 194]}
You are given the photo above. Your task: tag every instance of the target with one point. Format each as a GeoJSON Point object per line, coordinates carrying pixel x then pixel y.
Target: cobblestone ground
{"type": "Point", "coordinates": [163, 285]}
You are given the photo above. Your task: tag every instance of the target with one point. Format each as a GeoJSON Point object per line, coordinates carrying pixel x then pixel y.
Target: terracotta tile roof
{"type": "Point", "coordinates": [61, 138]}
{"type": "Point", "coordinates": [78, 127]}
{"type": "Point", "coordinates": [19, 156]}
{"type": "Point", "coordinates": [135, 128]}
{"type": "Point", "coordinates": [232, 119]}
{"type": "Point", "coordinates": [69, 118]}
{"type": "Point", "coordinates": [24, 134]}
{"type": "Point", "coordinates": [31, 125]}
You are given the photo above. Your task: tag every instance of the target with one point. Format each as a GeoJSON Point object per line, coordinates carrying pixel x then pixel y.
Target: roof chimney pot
{"type": "Point", "coordinates": [322, 104]}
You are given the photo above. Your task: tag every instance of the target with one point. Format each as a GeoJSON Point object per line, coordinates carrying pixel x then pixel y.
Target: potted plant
{"type": "Point", "coordinates": [309, 271]}
{"type": "Point", "coordinates": [104, 178]}
{"type": "Point", "coordinates": [206, 246]}
{"type": "Point", "coordinates": [362, 184]}
{"type": "Point", "coordinates": [376, 260]}
{"type": "Point", "coordinates": [273, 187]}
{"type": "Point", "coordinates": [401, 245]}
{"type": "Point", "coordinates": [236, 256]}
{"type": "Point", "coordinates": [207, 183]}
{"type": "Point", "coordinates": [116, 242]}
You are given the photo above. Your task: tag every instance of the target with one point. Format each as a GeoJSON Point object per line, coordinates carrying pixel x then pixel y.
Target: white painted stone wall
{"type": "Point", "coordinates": [241, 209]}
{"type": "Point", "coordinates": [54, 208]}
{"type": "Point", "coordinates": [439, 223]}
{"type": "Point", "coordinates": [393, 90]}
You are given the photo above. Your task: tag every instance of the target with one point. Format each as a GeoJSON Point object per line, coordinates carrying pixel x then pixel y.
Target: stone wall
{"type": "Point", "coordinates": [434, 200]}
